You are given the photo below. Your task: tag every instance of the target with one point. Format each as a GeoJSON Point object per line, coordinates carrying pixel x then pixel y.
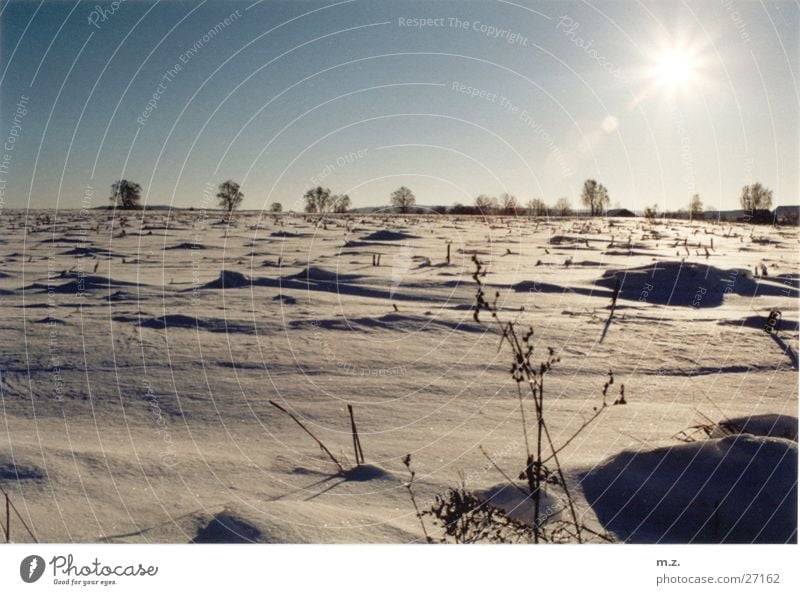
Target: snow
{"type": "Point", "coordinates": [738, 489]}
{"type": "Point", "coordinates": [137, 369]}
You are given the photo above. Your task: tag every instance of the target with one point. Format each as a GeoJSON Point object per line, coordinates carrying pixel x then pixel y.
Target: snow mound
{"type": "Point", "coordinates": [227, 527]}
{"type": "Point", "coordinates": [517, 503]}
{"type": "Point", "coordinates": [759, 322]}
{"type": "Point", "coordinates": [403, 323]}
{"type": "Point", "coordinates": [558, 240]}
{"type": "Point", "coordinates": [289, 522]}
{"type": "Point", "coordinates": [81, 251]}
{"type": "Point", "coordinates": [385, 235]}
{"type": "Point", "coordinates": [738, 489]}
{"type": "Point", "coordinates": [286, 299]}
{"type": "Point", "coordinates": [287, 234]}
{"type": "Point", "coordinates": [766, 424]}
{"type": "Point", "coordinates": [539, 287]}
{"type": "Point", "coordinates": [367, 472]}
{"type": "Point", "coordinates": [12, 469]}
{"type": "Point", "coordinates": [183, 321]}
{"type": "Point", "coordinates": [321, 275]}
{"type": "Point", "coordinates": [61, 240]}
{"type": "Point", "coordinates": [122, 296]}
{"type": "Point", "coordinates": [675, 283]}
{"type": "Point", "coordinates": [50, 320]}
{"type": "Point", "coordinates": [228, 280]}
{"type": "Point", "coordinates": [86, 284]}
{"type": "Point", "coordinates": [187, 246]}
{"type": "Point", "coordinates": [173, 320]}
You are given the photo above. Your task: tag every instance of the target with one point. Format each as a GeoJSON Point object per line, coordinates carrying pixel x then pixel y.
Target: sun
{"type": "Point", "coordinates": [675, 68]}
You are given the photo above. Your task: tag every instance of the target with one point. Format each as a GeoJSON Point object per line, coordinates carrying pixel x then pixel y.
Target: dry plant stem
{"type": "Point", "coordinates": [536, 385]}
{"type": "Point", "coordinates": [584, 425]}
{"type": "Point", "coordinates": [359, 453]}
{"type": "Point", "coordinates": [600, 535]}
{"type": "Point", "coordinates": [570, 502]}
{"type": "Point", "coordinates": [307, 431]}
{"type": "Point", "coordinates": [553, 450]}
{"type": "Point", "coordinates": [503, 473]}
{"type": "Point", "coordinates": [408, 486]}
{"type": "Point", "coordinates": [534, 479]}
{"type": "Point", "coordinates": [419, 514]}
{"type": "Point", "coordinates": [524, 423]}
{"type": "Point", "coordinates": [539, 431]}
{"type": "Point", "coordinates": [9, 505]}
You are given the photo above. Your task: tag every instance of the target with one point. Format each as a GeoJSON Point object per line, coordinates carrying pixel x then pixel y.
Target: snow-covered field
{"type": "Point", "coordinates": [138, 363]}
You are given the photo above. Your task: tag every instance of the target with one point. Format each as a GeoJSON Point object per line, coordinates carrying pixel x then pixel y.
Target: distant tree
{"type": "Point", "coordinates": [230, 196]}
{"type": "Point", "coordinates": [537, 207]}
{"type": "Point", "coordinates": [276, 207]}
{"type": "Point", "coordinates": [318, 200]}
{"type": "Point", "coordinates": [341, 203]}
{"type": "Point", "coordinates": [486, 204]}
{"type": "Point", "coordinates": [755, 196]}
{"type": "Point", "coordinates": [696, 208]}
{"type": "Point", "coordinates": [403, 199]}
{"type": "Point", "coordinates": [650, 213]}
{"type": "Point", "coordinates": [595, 196]}
{"type": "Point", "coordinates": [588, 195]}
{"type": "Point", "coordinates": [562, 207]}
{"type": "Point", "coordinates": [510, 203]}
{"type": "Point", "coordinates": [602, 200]}
{"type": "Point", "coordinates": [125, 194]}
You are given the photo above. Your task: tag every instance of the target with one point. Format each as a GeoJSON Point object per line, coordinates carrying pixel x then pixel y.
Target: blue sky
{"type": "Point", "coordinates": [488, 97]}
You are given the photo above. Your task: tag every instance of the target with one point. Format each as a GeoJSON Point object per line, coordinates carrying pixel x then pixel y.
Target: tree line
{"type": "Point", "coordinates": [755, 199]}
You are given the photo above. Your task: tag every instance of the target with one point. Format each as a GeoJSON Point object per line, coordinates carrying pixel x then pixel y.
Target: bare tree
{"type": "Point", "coordinates": [537, 207]}
{"type": "Point", "coordinates": [562, 207]}
{"type": "Point", "coordinates": [487, 205]}
{"type": "Point", "coordinates": [276, 207]}
{"type": "Point", "coordinates": [403, 199]}
{"type": "Point", "coordinates": [510, 203]}
{"type": "Point", "coordinates": [230, 196]}
{"type": "Point", "coordinates": [125, 194]}
{"type": "Point", "coordinates": [755, 197]}
{"type": "Point", "coordinates": [602, 199]}
{"type": "Point", "coordinates": [341, 203]}
{"type": "Point", "coordinates": [696, 207]}
{"type": "Point", "coordinates": [318, 200]}
{"type": "Point", "coordinates": [588, 194]}
{"type": "Point", "coordinates": [595, 196]}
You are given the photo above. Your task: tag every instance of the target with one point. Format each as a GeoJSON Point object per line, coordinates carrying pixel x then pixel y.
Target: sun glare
{"type": "Point", "coordinates": [675, 68]}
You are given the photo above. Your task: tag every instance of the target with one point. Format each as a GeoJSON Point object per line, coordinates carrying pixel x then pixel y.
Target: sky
{"type": "Point", "coordinates": [656, 100]}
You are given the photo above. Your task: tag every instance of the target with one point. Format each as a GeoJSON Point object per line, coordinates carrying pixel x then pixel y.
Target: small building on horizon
{"type": "Point", "coordinates": [620, 213]}
{"type": "Point", "coordinates": [762, 216]}
{"type": "Point", "coordinates": [787, 215]}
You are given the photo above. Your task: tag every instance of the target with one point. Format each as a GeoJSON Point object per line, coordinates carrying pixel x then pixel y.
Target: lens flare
{"type": "Point", "coordinates": [676, 67]}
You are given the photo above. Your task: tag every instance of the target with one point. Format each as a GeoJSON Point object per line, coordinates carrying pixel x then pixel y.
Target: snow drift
{"type": "Point", "coordinates": [737, 489]}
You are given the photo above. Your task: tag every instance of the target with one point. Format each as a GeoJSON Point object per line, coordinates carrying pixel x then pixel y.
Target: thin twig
{"type": "Point", "coordinates": [307, 431]}
{"type": "Point", "coordinates": [503, 473]}
{"type": "Point", "coordinates": [578, 431]}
